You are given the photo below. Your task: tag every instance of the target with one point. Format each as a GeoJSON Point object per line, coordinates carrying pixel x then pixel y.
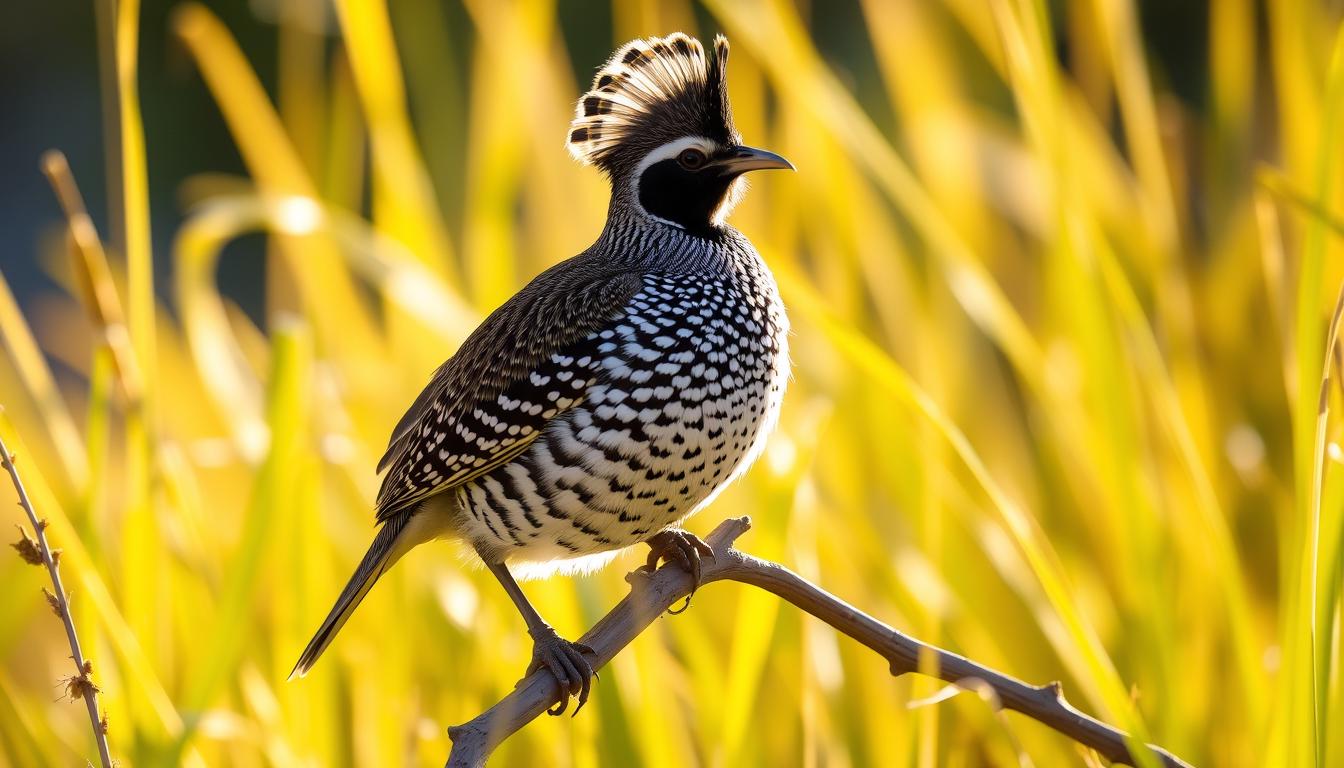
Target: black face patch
{"type": "Point", "coordinates": [688, 198]}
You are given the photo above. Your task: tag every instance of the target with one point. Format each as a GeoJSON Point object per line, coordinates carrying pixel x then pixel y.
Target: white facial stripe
{"type": "Point", "coordinates": [667, 152]}
{"type": "Point", "coordinates": [673, 148]}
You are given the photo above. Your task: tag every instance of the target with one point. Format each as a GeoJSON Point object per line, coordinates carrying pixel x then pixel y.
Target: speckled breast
{"type": "Point", "coordinates": [684, 388]}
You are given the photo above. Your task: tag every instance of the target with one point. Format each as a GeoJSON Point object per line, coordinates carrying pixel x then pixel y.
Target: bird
{"type": "Point", "coordinates": [618, 392]}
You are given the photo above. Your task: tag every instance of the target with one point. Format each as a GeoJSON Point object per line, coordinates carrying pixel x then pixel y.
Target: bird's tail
{"type": "Point", "coordinates": [385, 550]}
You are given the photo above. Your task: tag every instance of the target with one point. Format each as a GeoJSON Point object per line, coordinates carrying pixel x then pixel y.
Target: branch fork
{"type": "Point", "coordinates": [652, 594]}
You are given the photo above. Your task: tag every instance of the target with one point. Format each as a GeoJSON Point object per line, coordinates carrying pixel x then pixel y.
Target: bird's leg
{"type": "Point", "coordinates": [565, 659]}
{"type": "Point", "coordinates": [683, 548]}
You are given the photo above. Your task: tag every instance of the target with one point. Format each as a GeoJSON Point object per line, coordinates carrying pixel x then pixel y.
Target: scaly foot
{"type": "Point", "coordinates": [682, 547]}
{"type": "Point", "coordinates": [566, 661]}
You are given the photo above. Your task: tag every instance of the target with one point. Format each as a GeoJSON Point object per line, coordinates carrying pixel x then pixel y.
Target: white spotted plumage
{"type": "Point", "coordinates": [685, 383]}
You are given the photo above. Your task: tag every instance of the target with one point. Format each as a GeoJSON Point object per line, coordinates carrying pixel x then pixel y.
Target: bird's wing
{"type": "Point", "coordinates": [490, 400]}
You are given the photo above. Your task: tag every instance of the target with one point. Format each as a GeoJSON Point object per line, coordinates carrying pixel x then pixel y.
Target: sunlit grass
{"type": "Point", "coordinates": [1059, 348]}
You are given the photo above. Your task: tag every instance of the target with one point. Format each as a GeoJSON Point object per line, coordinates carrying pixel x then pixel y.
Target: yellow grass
{"type": "Point", "coordinates": [1059, 357]}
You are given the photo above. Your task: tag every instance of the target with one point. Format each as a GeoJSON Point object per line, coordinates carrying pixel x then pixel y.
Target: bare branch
{"type": "Point", "coordinates": [79, 685]}
{"type": "Point", "coordinates": [650, 596]}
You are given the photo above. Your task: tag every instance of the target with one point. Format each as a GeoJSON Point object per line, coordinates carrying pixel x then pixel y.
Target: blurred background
{"type": "Point", "coordinates": [1060, 274]}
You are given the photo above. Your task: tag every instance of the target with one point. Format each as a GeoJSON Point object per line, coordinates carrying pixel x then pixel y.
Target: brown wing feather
{"type": "Point", "coordinates": [448, 436]}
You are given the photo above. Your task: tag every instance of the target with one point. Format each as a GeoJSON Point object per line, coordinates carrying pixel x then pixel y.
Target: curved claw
{"type": "Point", "coordinates": [684, 548]}
{"type": "Point", "coordinates": [573, 673]}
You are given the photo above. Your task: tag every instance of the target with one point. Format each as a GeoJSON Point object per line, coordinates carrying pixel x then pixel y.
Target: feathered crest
{"type": "Point", "coordinates": [650, 92]}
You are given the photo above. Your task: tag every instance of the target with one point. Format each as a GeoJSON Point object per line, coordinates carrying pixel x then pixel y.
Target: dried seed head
{"type": "Point", "coordinates": [27, 548]}
{"type": "Point", "coordinates": [81, 685]}
{"type": "Point", "coordinates": [55, 603]}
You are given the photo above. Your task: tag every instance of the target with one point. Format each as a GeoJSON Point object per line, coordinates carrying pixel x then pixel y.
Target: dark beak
{"type": "Point", "coordinates": [738, 160]}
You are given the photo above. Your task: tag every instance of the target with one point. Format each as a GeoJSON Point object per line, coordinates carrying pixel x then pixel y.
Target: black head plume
{"type": "Point", "coordinates": [652, 92]}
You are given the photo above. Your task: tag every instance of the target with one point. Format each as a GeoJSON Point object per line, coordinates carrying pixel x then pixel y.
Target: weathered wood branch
{"type": "Point", "coordinates": [651, 596]}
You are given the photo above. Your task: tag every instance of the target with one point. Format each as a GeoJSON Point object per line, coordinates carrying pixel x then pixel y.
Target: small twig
{"type": "Point", "coordinates": [650, 596]}
{"type": "Point", "coordinates": [79, 685]}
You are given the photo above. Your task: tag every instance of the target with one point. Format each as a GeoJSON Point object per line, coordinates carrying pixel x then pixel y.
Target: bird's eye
{"type": "Point", "coordinates": [691, 159]}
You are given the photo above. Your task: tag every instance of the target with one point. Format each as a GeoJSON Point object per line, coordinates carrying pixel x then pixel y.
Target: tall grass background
{"type": "Point", "coordinates": [1060, 350]}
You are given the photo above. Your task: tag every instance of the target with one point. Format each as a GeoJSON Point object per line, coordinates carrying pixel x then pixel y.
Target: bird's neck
{"type": "Point", "coordinates": [633, 237]}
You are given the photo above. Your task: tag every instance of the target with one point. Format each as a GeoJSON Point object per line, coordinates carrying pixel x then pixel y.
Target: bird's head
{"type": "Point", "coordinates": [657, 123]}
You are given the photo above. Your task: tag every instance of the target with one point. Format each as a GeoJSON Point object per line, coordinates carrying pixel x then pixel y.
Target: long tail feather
{"type": "Point", "coordinates": [381, 555]}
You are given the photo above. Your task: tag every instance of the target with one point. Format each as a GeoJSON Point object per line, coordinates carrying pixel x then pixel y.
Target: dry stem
{"type": "Point", "coordinates": [80, 684]}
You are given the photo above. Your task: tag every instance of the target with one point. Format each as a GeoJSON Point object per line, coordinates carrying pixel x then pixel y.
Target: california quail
{"type": "Point", "coordinates": [620, 390]}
